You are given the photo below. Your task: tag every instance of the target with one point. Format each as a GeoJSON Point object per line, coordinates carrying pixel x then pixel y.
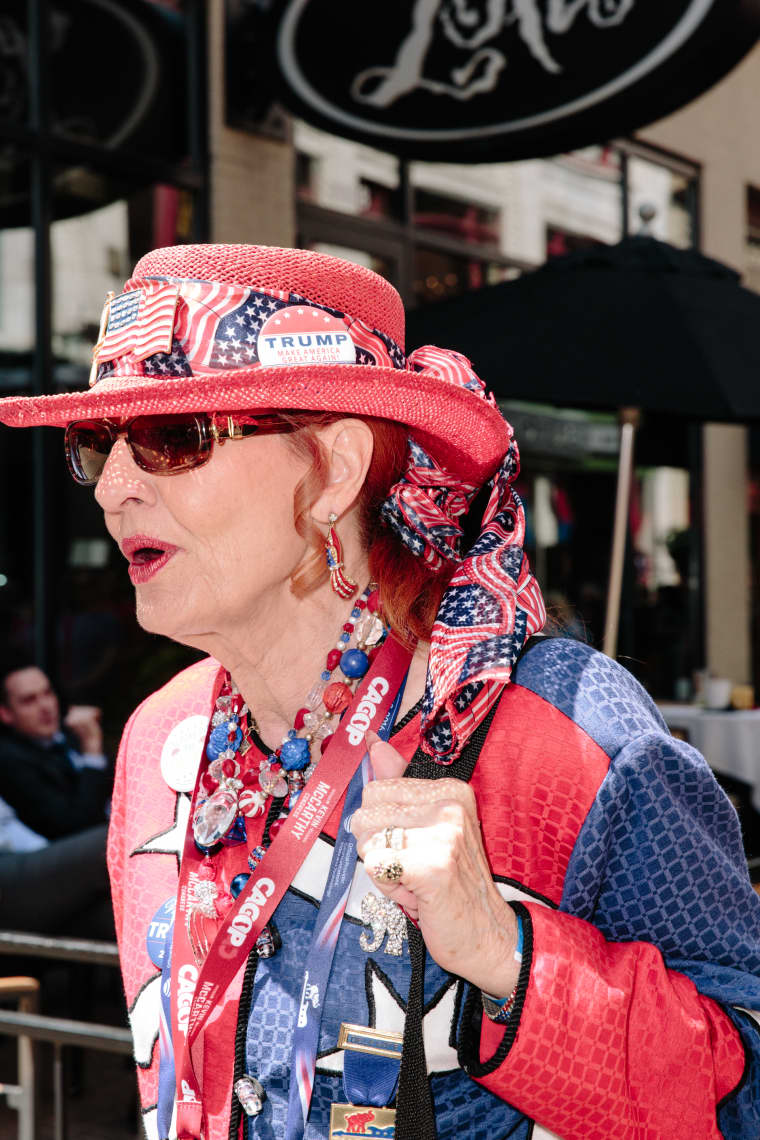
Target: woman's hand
{"type": "Point", "coordinates": [446, 885]}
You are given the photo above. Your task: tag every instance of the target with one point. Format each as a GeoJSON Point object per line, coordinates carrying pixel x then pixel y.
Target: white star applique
{"type": "Point", "coordinates": [171, 841]}
{"type": "Point", "coordinates": [144, 1016]}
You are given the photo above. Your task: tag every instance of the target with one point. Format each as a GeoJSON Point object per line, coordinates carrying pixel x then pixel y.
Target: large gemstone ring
{"type": "Point", "coordinates": [389, 872]}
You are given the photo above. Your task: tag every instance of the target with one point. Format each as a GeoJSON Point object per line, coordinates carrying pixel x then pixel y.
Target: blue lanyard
{"type": "Point", "coordinates": [166, 1073]}
{"type": "Point", "coordinates": [323, 943]}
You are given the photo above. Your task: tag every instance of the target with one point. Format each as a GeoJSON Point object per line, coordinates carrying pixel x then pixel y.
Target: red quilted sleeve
{"type": "Point", "coordinates": [609, 1041]}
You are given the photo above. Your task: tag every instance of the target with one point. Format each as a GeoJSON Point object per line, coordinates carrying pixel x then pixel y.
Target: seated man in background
{"type": "Point", "coordinates": [54, 788]}
{"type": "Point", "coordinates": [54, 777]}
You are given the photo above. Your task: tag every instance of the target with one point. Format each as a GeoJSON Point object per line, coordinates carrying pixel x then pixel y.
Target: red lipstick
{"type": "Point", "coordinates": [146, 556]}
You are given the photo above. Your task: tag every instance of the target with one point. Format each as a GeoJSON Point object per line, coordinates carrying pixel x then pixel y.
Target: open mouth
{"type": "Point", "coordinates": [146, 556]}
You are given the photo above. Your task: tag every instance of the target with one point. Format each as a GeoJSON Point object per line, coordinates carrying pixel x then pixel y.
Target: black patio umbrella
{"type": "Point", "coordinates": [639, 324]}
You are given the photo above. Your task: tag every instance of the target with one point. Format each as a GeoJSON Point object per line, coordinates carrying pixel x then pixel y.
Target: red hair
{"type": "Point", "coordinates": [410, 591]}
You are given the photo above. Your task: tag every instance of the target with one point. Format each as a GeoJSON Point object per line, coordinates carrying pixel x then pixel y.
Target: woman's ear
{"type": "Point", "coordinates": [348, 446]}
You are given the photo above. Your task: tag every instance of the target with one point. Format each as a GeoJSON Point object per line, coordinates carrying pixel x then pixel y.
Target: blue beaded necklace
{"type": "Point", "coordinates": [235, 791]}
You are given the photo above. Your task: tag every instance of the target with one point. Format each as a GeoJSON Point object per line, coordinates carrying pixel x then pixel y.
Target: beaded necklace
{"type": "Point", "coordinates": [239, 782]}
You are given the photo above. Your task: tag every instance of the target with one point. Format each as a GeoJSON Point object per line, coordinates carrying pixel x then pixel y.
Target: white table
{"type": "Point", "coordinates": [729, 741]}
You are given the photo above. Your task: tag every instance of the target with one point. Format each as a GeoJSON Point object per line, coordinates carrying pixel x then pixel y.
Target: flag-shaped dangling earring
{"type": "Point", "coordinates": [343, 586]}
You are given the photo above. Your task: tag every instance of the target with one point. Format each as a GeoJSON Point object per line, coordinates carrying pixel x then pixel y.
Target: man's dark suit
{"type": "Point", "coordinates": [46, 791]}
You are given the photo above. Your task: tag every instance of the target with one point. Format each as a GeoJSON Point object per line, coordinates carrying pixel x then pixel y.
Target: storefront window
{"type": "Point", "coordinates": [343, 176]}
{"type": "Point", "coordinates": [439, 274]}
{"type": "Point", "coordinates": [568, 484]}
{"type": "Point", "coordinates": [516, 214]}
{"type": "Point", "coordinates": [580, 198]}
{"type": "Point", "coordinates": [459, 218]}
{"type": "Point", "coordinates": [377, 200]}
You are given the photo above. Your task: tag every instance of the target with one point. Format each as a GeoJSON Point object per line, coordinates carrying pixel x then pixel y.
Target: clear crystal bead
{"type": "Point", "coordinates": [214, 817]}
{"type": "Point", "coordinates": [272, 783]}
{"type": "Point", "coordinates": [363, 625]}
{"type": "Point", "coordinates": [315, 694]}
{"type": "Point", "coordinates": [311, 721]}
{"type": "Point", "coordinates": [373, 630]}
{"type": "Point", "coordinates": [322, 730]}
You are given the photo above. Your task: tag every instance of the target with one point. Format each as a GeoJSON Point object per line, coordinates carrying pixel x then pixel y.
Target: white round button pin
{"type": "Point", "coordinates": [182, 751]}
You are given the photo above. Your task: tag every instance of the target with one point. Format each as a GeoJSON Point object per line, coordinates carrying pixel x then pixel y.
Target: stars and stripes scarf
{"type": "Point", "coordinates": [493, 603]}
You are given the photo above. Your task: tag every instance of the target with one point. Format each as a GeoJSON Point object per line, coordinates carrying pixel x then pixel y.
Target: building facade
{"type": "Point", "coordinates": [87, 189]}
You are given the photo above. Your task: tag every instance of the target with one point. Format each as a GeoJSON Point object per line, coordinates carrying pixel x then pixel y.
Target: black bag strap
{"type": "Point", "coordinates": [415, 1113]}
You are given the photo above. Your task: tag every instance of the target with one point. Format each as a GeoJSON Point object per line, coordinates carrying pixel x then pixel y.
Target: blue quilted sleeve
{"type": "Point", "coordinates": [660, 860]}
{"type": "Point", "coordinates": [660, 857]}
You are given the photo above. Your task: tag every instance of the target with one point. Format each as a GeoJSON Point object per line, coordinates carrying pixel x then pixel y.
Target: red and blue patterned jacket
{"type": "Point", "coordinates": [637, 1017]}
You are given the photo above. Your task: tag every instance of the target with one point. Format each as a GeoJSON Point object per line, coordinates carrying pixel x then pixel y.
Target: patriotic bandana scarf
{"type": "Point", "coordinates": [493, 603]}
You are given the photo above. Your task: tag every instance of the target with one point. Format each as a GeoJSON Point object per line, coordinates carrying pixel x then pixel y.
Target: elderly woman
{"type": "Point", "coordinates": [549, 929]}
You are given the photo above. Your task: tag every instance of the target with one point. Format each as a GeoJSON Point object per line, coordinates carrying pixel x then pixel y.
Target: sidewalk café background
{"type": "Point", "coordinates": [88, 185]}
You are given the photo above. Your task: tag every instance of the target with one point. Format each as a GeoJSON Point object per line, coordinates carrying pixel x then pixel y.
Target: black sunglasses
{"type": "Point", "coordinates": [161, 445]}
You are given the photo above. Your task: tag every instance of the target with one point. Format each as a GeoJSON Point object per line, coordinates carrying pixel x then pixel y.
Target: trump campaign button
{"type": "Point", "coordinates": [158, 931]}
{"type": "Point", "coordinates": [301, 334]}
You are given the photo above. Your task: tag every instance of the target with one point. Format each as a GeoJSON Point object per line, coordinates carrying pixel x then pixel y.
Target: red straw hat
{"type": "Point", "coordinates": [245, 327]}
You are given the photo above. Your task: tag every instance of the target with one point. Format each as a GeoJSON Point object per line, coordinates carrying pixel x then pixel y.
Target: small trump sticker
{"type": "Point", "coordinates": [300, 334]}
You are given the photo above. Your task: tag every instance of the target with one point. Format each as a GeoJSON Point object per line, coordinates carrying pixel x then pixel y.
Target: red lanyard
{"type": "Point", "coordinates": [194, 992]}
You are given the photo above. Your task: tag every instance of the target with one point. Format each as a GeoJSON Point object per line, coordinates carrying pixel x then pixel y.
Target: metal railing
{"type": "Point", "coordinates": [25, 992]}
{"type": "Point", "coordinates": [28, 1026]}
